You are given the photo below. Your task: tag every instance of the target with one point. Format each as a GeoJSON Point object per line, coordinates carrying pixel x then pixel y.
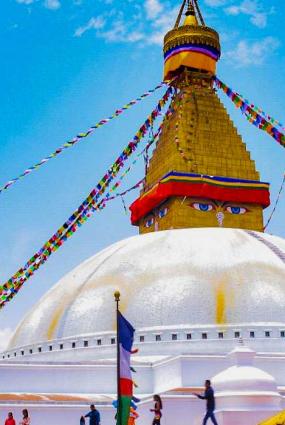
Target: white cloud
{"type": "Point", "coordinates": [256, 53]}
{"type": "Point", "coordinates": [252, 8]}
{"type": "Point", "coordinates": [5, 335]}
{"type": "Point", "coordinates": [25, 1]}
{"type": "Point", "coordinates": [117, 31]}
{"type": "Point", "coordinates": [135, 36]}
{"type": "Point", "coordinates": [162, 25]}
{"type": "Point", "coordinates": [49, 4]}
{"type": "Point", "coordinates": [153, 8]}
{"type": "Point", "coordinates": [93, 23]}
{"type": "Point", "coordinates": [52, 4]}
{"type": "Point", "coordinates": [216, 3]}
{"type": "Point", "coordinates": [120, 33]}
{"type": "Point", "coordinates": [259, 20]}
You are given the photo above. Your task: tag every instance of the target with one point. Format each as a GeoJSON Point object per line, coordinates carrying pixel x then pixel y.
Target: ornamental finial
{"type": "Point", "coordinates": [117, 296]}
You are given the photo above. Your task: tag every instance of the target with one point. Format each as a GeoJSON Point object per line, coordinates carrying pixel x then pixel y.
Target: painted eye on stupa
{"type": "Point", "coordinates": [149, 222]}
{"type": "Point", "coordinates": [202, 206]}
{"type": "Point", "coordinates": [162, 212]}
{"type": "Point", "coordinates": [236, 210]}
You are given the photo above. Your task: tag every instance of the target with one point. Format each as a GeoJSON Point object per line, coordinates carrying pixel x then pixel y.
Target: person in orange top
{"type": "Point", "coordinates": [10, 420]}
{"type": "Point", "coordinates": [133, 416]}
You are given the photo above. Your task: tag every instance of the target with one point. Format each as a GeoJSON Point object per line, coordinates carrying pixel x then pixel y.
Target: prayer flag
{"type": "Point", "coordinates": [125, 340]}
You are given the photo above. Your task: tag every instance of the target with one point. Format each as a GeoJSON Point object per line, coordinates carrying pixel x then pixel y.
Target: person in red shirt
{"type": "Point", "coordinates": [10, 420]}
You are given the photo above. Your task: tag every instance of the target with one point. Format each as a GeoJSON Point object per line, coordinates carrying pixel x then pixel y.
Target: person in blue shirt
{"type": "Point", "coordinates": [93, 415]}
{"type": "Point", "coordinates": [210, 397]}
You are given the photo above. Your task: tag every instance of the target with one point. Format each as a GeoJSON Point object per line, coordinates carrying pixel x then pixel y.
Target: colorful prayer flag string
{"type": "Point", "coordinates": [257, 109]}
{"type": "Point", "coordinates": [92, 203]}
{"type": "Point", "coordinates": [149, 144]}
{"type": "Point", "coordinates": [79, 137]}
{"type": "Point", "coordinates": [253, 116]}
{"type": "Point", "coordinates": [117, 184]}
{"type": "Point", "coordinates": [125, 192]}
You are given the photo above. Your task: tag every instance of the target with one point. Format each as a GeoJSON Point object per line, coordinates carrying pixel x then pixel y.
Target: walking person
{"type": "Point", "coordinates": [93, 415]}
{"type": "Point", "coordinates": [157, 409]}
{"type": "Point", "coordinates": [210, 397]}
{"type": "Point", "coordinates": [10, 420]}
{"type": "Point", "coordinates": [26, 420]}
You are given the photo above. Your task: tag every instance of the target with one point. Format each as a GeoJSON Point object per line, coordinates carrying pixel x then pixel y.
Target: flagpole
{"type": "Point", "coordinates": [119, 410]}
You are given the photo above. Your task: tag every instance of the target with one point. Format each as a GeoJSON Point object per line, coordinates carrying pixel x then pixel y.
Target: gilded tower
{"type": "Point", "coordinates": [200, 173]}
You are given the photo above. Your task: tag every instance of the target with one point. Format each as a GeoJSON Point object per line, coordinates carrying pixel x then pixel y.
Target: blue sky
{"type": "Point", "coordinates": [68, 63]}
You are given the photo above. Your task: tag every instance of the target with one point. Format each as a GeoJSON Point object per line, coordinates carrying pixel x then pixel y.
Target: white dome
{"type": "Point", "coordinates": [244, 386]}
{"type": "Point", "coordinates": [206, 276]}
{"type": "Point", "coordinates": [243, 376]}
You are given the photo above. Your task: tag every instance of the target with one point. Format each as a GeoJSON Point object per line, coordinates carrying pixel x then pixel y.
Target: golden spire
{"type": "Point", "coordinates": [190, 15]}
{"type": "Point", "coordinates": [192, 9]}
{"type": "Point", "coordinates": [200, 173]}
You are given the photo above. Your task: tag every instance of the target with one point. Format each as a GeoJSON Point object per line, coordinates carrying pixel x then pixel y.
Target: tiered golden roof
{"type": "Point", "coordinates": [208, 142]}
{"type": "Point", "coordinates": [191, 44]}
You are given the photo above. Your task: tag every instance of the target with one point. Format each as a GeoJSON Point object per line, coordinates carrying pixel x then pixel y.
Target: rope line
{"type": "Point", "coordinates": [78, 138]}
{"type": "Point", "coordinates": [276, 203]}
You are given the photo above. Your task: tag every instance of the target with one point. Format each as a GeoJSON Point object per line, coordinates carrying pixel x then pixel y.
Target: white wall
{"type": "Point", "coordinates": [100, 377]}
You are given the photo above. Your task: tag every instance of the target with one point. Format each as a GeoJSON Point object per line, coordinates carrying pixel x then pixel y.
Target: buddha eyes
{"type": "Point", "coordinates": [202, 206]}
{"type": "Point", "coordinates": [236, 210]}
{"type": "Point", "coordinates": [206, 207]}
{"type": "Point", "coordinates": [162, 212]}
{"type": "Point", "coordinates": [149, 222]}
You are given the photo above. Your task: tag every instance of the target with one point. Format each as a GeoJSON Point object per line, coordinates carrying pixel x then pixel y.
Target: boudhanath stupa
{"type": "Point", "coordinates": [202, 284]}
